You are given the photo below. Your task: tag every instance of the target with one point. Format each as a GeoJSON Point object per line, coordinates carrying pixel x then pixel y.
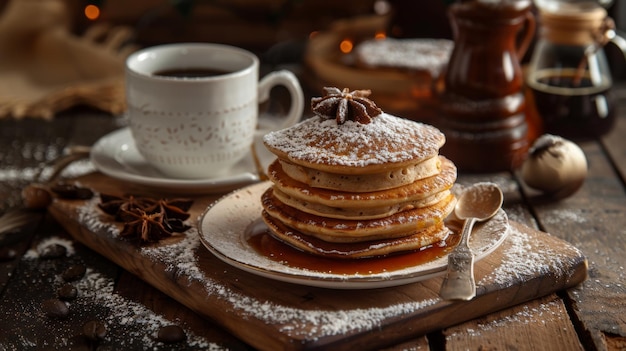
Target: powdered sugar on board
{"type": "Point", "coordinates": [312, 322]}
{"type": "Point", "coordinates": [526, 258]}
{"type": "Point", "coordinates": [181, 259]}
{"type": "Point", "coordinates": [544, 314]}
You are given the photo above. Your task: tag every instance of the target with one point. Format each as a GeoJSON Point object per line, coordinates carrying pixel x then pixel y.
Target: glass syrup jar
{"type": "Point", "coordinates": [568, 75]}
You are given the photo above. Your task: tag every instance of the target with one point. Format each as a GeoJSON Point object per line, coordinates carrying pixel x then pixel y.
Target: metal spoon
{"type": "Point", "coordinates": [477, 203]}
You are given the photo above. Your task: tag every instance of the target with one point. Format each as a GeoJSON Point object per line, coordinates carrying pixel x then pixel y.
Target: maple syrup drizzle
{"type": "Point", "coordinates": [261, 240]}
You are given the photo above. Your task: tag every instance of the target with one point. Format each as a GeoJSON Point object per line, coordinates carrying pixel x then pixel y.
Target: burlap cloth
{"type": "Point", "coordinates": [45, 69]}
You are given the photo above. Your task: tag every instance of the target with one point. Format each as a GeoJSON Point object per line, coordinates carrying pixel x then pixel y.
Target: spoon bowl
{"type": "Point", "coordinates": [477, 203]}
{"type": "Point", "coordinates": [480, 201]}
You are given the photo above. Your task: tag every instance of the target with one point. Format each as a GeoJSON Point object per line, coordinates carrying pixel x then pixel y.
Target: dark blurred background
{"type": "Point", "coordinates": [277, 28]}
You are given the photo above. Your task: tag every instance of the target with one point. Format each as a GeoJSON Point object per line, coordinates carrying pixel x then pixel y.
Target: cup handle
{"type": "Point", "coordinates": [289, 80]}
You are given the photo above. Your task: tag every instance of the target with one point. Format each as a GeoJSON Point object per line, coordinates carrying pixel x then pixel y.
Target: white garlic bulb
{"type": "Point", "coordinates": [555, 166]}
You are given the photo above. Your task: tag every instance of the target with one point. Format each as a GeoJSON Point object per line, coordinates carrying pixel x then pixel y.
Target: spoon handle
{"type": "Point", "coordinates": [459, 281]}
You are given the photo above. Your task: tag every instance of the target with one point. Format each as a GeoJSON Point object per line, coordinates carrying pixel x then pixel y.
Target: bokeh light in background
{"type": "Point", "coordinates": [346, 46]}
{"type": "Point", "coordinates": [92, 12]}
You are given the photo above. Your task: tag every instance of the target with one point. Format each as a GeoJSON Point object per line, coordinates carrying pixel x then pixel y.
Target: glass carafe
{"type": "Point", "coordinates": [568, 75]}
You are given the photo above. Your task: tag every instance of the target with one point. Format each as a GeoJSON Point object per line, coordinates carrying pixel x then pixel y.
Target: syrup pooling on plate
{"type": "Point", "coordinates": [224, 226]}
{"type": "Point", "coordinates": [258, 236]}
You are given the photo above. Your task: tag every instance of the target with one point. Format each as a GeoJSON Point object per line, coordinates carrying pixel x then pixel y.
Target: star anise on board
{"type": "Point", "coordinates": [112, 204]}
{"type": "Point", "coordinates": [142, 226]}
{"type": "Point", "coordinates": [346, 105]}
{"type": "Point", "coordinates": [172, 208]}
{"type": "Point", "coordinates": [147, 219]}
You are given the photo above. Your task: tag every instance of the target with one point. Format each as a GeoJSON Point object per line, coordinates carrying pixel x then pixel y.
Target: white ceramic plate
{"type": "Point", "coordinates": [224, 228]}
{"type": "Point", "coordinates": [115, 155]}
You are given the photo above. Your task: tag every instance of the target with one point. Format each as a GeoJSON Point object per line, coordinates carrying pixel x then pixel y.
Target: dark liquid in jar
{"type": "Point", "coordinates": [190, 72]}
{"type": "Point", "coordinates": [576, 110]}
{"type": "Point", "coordinates": [259, 238]}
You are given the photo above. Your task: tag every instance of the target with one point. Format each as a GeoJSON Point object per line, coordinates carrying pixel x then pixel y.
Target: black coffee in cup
{"type": "Point", "coordinates": [190, 72]}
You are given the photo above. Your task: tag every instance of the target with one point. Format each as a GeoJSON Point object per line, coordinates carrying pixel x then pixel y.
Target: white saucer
{"type": "Point", "coordinates": [115, 155]}
{"type": "Point", "coordinates": [224, 228]}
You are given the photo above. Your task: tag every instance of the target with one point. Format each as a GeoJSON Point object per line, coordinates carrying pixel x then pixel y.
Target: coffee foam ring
{"type": "Point", "coordinates": [390, 178]}
{"type": "Point", "coordinates": [341, 230]}
{"type": "Point", "coordinates": [416, 240]}
{"type": "Point", "coordinates": [417, 190]}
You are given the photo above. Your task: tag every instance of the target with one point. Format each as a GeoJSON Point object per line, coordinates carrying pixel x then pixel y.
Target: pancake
{"type": "Point", "coordinates": [354, 182]}
{"type": "Point", "coordinates": [343, 230]}
{"type": "Point", "coordinates": [359, 212]}
{"type": "Point", "coordinates": [388, 142]}
{"type": "Point", "coordinates": [390, 178]}
{"type": "Point", "coordinates": [417, 240]}
{"type": "Point", "coordinates": [416, 190]}
{"type": "Point", "coordinates": [370, 205]}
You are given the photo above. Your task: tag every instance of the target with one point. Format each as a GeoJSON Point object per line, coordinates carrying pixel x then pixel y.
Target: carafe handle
{"type": "Point", "coordinates": [530, 24]}
{"type": "Point", "coordinates": [617, 38]}
{"type": "Point", "coordinates": [619, 41]}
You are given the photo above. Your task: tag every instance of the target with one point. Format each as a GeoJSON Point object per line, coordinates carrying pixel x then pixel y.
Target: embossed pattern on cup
{"type": "Point", "coordinates": [184, 139]}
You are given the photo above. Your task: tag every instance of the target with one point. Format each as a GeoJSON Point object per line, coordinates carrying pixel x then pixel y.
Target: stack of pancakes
{"type": "Point", "coordinates": [348, 189]}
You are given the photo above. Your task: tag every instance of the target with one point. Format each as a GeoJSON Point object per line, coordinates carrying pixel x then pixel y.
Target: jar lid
{"type": "Point", "coordinates": [572, 23]}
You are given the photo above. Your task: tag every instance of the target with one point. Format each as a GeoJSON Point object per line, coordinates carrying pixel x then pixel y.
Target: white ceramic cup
{"type": "Point", "coordinates": [200, 127]}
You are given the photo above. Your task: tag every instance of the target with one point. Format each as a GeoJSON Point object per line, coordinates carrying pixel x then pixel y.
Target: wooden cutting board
{"type": "Point", "coordinates": [273, 315]}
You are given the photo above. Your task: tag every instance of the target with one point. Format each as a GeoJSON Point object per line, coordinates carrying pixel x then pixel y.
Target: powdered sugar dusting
{"type": "Point", "coordinates": [422, 54]}
{"type": "Point", "coordinates": [524, 258]}
{"type": "Point", "coordinates": [297, 322]}
{"type": "Point", "coordinates": [388, 140]}
{"type": "Point", "coordinates": [95, 220]}
{"type": "Point", "coordinates": [133, 318]}
{"type": "Point", "coordinates": [31, 174]}
{"type": "Point", "coordinates": [543, 314]}
{"type": "Point", "coordinates": [180, 256]}
{"type": "Point", "coordinates": [34, 253]}
{"type": "Point", "coordinates": [569, 215]}
{"type": "Point", "coordinates": [99, 288]}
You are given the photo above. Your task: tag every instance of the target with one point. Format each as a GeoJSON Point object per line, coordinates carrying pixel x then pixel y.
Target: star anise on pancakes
{"type": "Point", "coordinates": [345, 105]}
{"type": "Point", "coordinates": [146, 219]}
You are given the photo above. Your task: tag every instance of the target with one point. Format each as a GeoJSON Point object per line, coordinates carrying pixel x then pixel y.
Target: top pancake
{"type": "Point", "coordinates": [356, 148]}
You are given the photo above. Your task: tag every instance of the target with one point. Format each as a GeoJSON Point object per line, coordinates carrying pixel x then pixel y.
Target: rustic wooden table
{"type": "Point", "coordinates": [589, 316]}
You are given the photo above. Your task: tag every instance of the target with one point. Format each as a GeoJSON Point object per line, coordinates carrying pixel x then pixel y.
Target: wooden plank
{"type": "Point", "coordinates": [541, 325]}
{"type": "Point", "coordinates": [417, 344]}
{"type": "Point", "coordinates": [614, 146]}
{"type": "Point", "coordinates": [592, 219]}
{"type": "Point", "coordinates": [614, 142]}
{"type": "Point", "coordinates": [135, 289]}
{"type": "Point", "coordinates": [273, 315]}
